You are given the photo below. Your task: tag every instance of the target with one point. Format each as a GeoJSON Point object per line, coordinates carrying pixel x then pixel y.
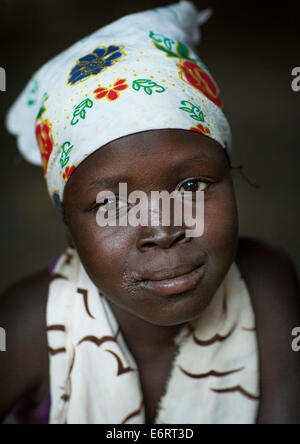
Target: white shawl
{"type": "Point", "coordinates": [94, 378]}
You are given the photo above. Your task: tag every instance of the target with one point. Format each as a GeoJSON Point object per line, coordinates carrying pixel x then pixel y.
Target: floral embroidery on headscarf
{"type": "Point", "coordinates": [68, 171]}
{"type": "Point", "coordinates": [43, 133]}
{"type": "Point", "coordinates": [42, 108]}
{"type": "Point", "coordinates": [201, 129]}
{"type": "Point", "coordinates": [57, 202]}
{"type": "Point", "coordinates": [92, 64]}
{"type": "Point", "coordinates": [80, 110]}
{"type": "Point", "coordinates": [148, 86]}
{"type": "Point", "coordinates": [166, 45]}
{"type": "Point", "coordinates": [32, 90]}
{"type": "Point", "coordinates": [194, 75]}
{"type": "Point", "coordinates": [171, 10]}
{"type": "Point", "coordinates": [194, 110]}
{"type": "Point", "coordinates": [111, 94]}
{"type": "Point", "coordinates": [66, 149]}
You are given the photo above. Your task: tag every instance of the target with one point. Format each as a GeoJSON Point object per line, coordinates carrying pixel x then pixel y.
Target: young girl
{"type": "Point", "coordinates": [143, 323]}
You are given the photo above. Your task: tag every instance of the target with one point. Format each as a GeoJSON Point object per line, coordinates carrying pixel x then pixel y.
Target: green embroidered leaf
{"type": "Point", "coordinates": [135, 86]}
{"type": "Point", "coordinates": [148, 91]}
{"type": "Point", "coordinates": [63, 163]}
{"type": "Point", "coordinates": [35, 86]}
{"type": "Point", "coordinates": [41, 111]}
{"type": "Point", "coordinates": [161, 48]}
{"type": "Point", "coordinates": [169, 43]}
{"type": "Point", "coordinates": [69, 145]}
{"type": "Point", "coordinates": [183, 51]}
{"type": "Point", "coordinates": [174, 13]}
{"type": "Point", "coordinates": [189, 110]}
{"type": "Point", "coordinates": [200, 115]}
{"type": "Point", "coordinates": [160, 90]}
{"type": "Point", "coordinates": [152, 35]}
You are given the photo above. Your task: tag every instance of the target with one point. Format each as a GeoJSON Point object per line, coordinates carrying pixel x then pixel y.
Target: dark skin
{"type": "Point", "coordinates": [159, 160]}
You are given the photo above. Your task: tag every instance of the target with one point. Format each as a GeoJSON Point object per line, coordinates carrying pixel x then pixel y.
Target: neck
{"type": "Point", "coordinates": [145, 340]}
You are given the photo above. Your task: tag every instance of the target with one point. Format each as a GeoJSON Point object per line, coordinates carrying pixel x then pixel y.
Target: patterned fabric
{"type": "Point", "coordinates": [138, 73]}
{"type": "Point", "coordinates": [95, 379]}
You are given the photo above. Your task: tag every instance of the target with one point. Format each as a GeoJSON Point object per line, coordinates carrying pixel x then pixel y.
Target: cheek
{"type": "Point", "coordinates": [103, 250]}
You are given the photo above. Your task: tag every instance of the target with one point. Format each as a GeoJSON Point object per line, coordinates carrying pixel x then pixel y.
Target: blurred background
{"type": "Point", "coordinates": [250, 48]}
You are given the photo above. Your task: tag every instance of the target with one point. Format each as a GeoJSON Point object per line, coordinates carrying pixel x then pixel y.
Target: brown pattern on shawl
{"type": "Point", "coordinates": [239, 389]}
{"type": "Point", "coordinates": [84, 293]}
{"type": "Point", "coordinates": [121, 368]}
{"type": "Point", "coordinates": [213, 340]}
{"type": "Point", "coordinates": [56, 328]}
{"type": "Point", "coordinates": [57, 276]}
{"type": "Point", "coordinates": [66, 396]}
{"type": "Point", "coordinates": [211, 373]}
{"type": "Point", "coordinates": [248, 329]}
{"type": "Point", "coordinates": [56, 351]}
{"type": "Point", "coordinates": [99, 341]}
{"type": "Point", "coordinates": [134, 413]}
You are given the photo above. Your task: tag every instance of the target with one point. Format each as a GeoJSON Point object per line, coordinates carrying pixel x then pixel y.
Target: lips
{"type": "Point", "coordinates": [175, 281]}
{"type": "Point", "coordinates": [168, 273]}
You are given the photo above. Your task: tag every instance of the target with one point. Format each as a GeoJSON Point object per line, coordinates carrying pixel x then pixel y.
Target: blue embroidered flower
{"type": "Point", "coordinates": [58, 202]}
{"type": "Point", "coordinates": [92, 64]}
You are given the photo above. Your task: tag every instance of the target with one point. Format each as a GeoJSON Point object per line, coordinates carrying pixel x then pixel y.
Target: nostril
{"type": "Point", "coordinates": [163, 241]}
{"type": "Point", "coordinates": [149, 245]}
{"type": "Point", "coordinates": [182, 238]}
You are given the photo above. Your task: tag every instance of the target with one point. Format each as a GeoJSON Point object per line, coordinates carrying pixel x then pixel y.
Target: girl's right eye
{"type": "Point", "coordinates": [110, 206]}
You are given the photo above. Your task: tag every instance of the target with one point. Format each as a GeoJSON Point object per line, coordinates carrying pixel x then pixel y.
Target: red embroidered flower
{"type": "Point", "coordinates": [111, 94]}
{"type": "Point", "coordinates": [194, 75]}
{"type": "Point", "coordinates": [201, 129]}
{"type": "Point", "coordinates": [43, 133]}
{"type": "Point", "coordinates": [68, 171]}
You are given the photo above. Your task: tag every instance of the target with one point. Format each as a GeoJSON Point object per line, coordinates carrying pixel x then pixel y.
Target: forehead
{"type": "Point", "coordinates": [156, 151]}
{"type": "Point", "coordinates": [162, 141]}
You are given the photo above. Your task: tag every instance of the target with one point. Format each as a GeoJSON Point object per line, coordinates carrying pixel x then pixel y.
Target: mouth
{"type": "Point", "coordinates": [174, 284]}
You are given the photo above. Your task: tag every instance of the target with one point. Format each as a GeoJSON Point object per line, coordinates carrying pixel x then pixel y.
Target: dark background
{"type": "Point", "coordinates": [250, 48]}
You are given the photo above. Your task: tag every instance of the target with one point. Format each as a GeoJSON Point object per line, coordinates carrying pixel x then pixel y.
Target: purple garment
{"type": "Point", "coordinates": [40, 414]}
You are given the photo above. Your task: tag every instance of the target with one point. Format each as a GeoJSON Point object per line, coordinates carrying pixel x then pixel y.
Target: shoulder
{"type": "Point", "coordinates": [24, 364]}
{"type": "Point", "coordinates": [259, 260]}
{"type": "Point", "coordinates": [272, 281]}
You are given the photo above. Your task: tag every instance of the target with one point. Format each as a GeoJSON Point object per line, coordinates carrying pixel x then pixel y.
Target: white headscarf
{"type": "Point", "coordinates": [138, 73]}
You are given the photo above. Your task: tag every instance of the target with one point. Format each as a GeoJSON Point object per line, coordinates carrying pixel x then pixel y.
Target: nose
{"type": "Point", "coordinates": [162, 237]}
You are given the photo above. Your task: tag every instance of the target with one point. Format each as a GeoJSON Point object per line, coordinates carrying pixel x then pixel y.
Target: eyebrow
{"type": "Point", "coordinates": [115, 180]}
{"type": "Point", "coordinates": [107, 181]}
{"type": "Point", "coordinates": [201, 157]}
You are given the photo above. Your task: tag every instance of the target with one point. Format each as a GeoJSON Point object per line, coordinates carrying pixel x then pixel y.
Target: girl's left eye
{"type": "Point", "coordinates": [193, 185]}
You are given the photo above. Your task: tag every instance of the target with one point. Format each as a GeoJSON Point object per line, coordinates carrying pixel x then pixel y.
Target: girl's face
{"type": "Point", "coordinates": [120, 259]}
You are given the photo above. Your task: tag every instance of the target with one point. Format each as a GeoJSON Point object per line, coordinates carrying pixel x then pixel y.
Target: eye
{"type": "Point", "coordinates": [110, 206]}
{"type": "Point", "coordinates": [193, 185]}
